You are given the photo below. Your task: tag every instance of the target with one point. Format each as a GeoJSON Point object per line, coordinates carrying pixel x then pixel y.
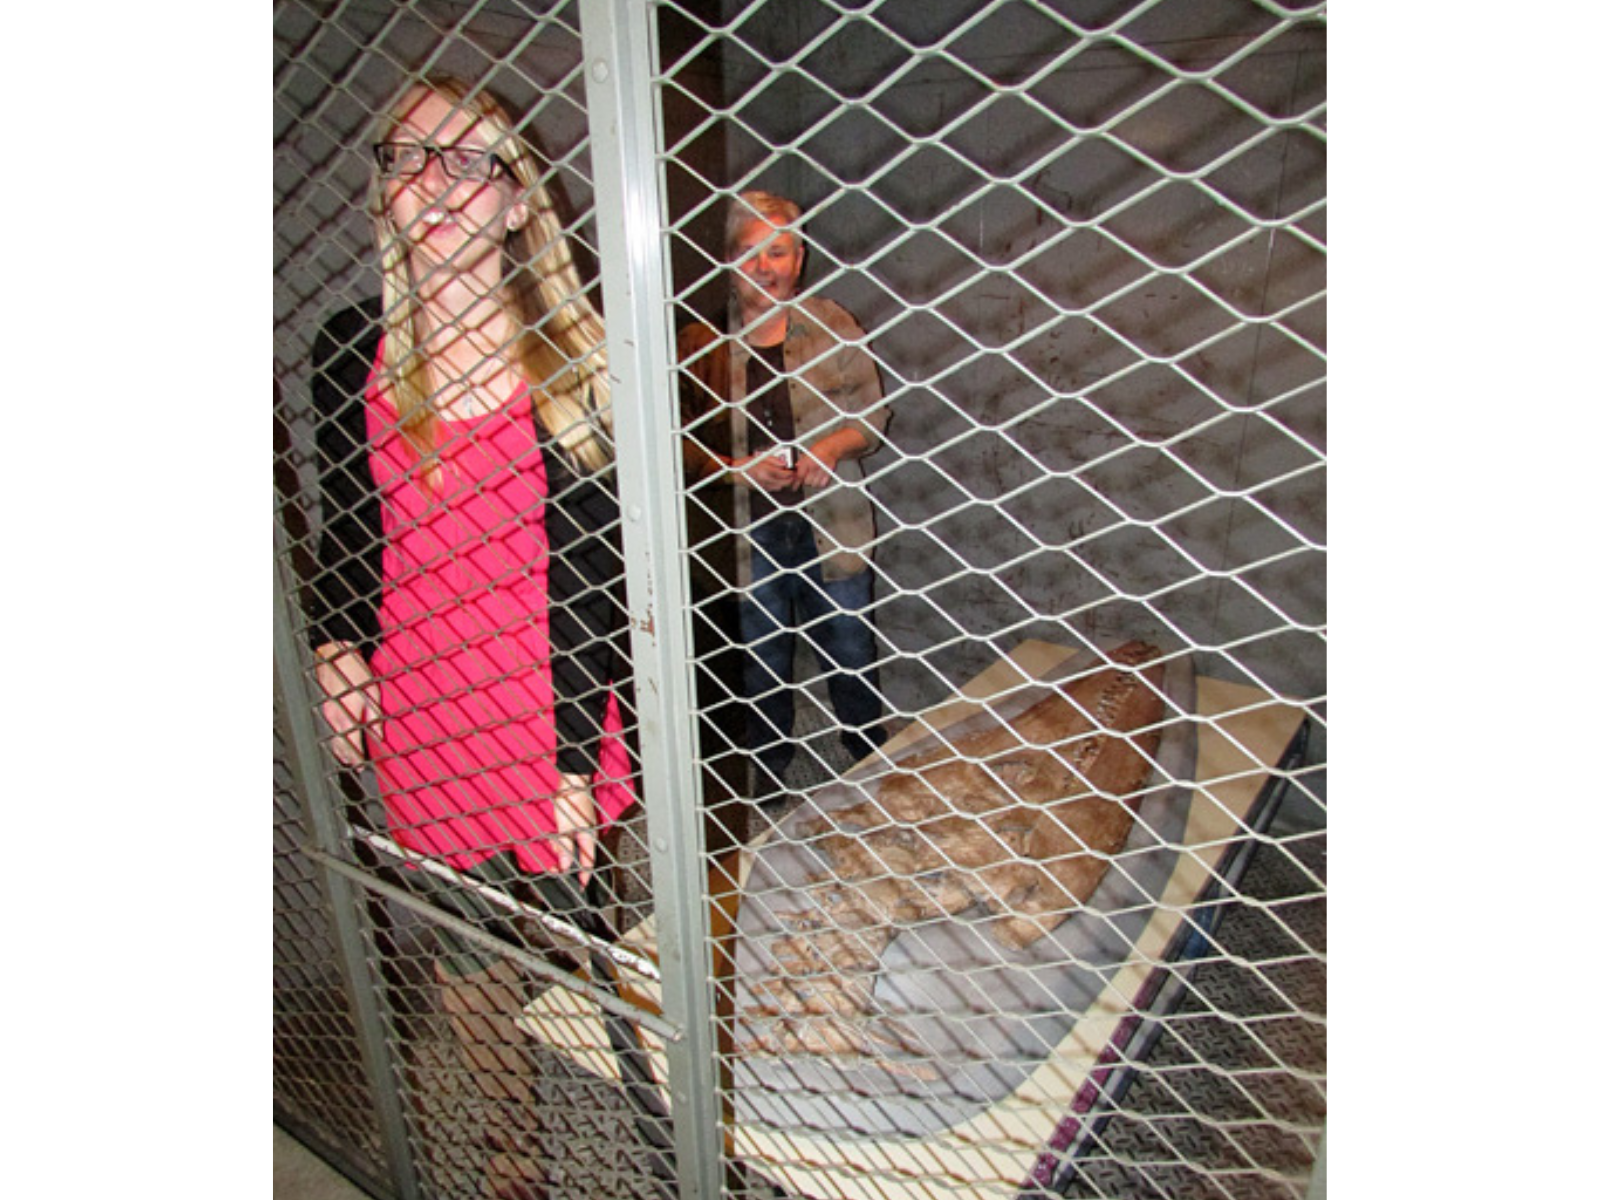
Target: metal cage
{"type": "Point", "coordinates": [1085, 245]}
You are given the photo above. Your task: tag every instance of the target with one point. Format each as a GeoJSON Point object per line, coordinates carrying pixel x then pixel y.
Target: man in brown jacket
{"type": "Point", "coordinates": [799, 404]}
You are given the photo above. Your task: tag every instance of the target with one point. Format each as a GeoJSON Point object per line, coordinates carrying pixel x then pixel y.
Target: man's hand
{"type": "Point", "coordinates": [817, 462]}
{"type": "Point", "coordinates": [765, 471]}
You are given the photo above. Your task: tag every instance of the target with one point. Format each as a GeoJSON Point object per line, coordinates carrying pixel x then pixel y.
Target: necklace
{"type": "Point", "coordinates": [475, 373]}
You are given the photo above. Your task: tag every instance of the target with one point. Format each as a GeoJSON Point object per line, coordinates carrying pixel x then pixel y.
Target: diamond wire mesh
{"type": "Point", "coordinates": [1086, 242]}
{"type": "Point", "coordinates": [316, 1063]}
{"type": "Point", "coordinates": [471, 1129]}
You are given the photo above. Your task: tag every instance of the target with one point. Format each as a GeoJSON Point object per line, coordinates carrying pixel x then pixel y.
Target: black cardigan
{"type": "Point", "coordinates": [585, 571]}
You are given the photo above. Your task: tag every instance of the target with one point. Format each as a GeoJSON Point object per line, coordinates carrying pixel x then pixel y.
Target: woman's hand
{"type": "Point", "coordinates": [352, 699]}
{"type": "Point", "coordinates": [576, 820]}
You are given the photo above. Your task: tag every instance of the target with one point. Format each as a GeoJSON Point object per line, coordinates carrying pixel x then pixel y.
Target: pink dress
{"type": "Point", "coordinates": [466, 752]}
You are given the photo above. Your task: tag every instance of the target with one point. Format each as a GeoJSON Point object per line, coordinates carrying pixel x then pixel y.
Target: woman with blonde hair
{"type": "Point", "coordinates": [465, 616]}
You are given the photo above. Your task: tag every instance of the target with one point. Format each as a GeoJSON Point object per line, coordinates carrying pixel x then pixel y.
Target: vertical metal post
{"type": "Point", "coordinates": [619, 64]}
{"type": "Point", "coordinates": [1318, 1189]}
{"type": "Point", "coordinates": [327, 831]}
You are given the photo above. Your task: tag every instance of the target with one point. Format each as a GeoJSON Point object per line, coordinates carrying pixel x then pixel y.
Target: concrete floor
{"type": "Point", "coordinates": [298, 1174]}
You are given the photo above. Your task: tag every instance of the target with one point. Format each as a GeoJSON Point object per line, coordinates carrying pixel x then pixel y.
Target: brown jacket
{"type": "Point", "coordinates": [833, 384]}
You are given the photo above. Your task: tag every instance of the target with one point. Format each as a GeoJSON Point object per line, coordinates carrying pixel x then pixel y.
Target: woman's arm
{"type": "Point", "coordinates": [342, 604]}
{"type": "Point", "coordinates": [586, 610]}
{"type": "Point", "coordinates": [586, 620]}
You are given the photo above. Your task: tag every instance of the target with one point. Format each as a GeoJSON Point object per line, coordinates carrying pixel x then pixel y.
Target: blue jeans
{"type": "Point", "coordinates": [789, 598]}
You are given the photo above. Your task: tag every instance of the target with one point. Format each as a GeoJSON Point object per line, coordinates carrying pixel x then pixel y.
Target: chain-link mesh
{"type": "Point", "coordinates": [1063, 931]}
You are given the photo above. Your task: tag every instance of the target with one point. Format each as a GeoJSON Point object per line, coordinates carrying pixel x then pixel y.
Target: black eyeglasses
{"type": "Point", "coordinates": [404, 160]}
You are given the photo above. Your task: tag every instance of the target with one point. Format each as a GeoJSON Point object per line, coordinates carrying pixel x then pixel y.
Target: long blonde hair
{"type": "Point", "coordinates": [561, 347]}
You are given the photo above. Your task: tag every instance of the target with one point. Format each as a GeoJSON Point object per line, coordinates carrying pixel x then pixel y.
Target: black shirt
{"type": "Point", "coordinates": [766, 404]}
